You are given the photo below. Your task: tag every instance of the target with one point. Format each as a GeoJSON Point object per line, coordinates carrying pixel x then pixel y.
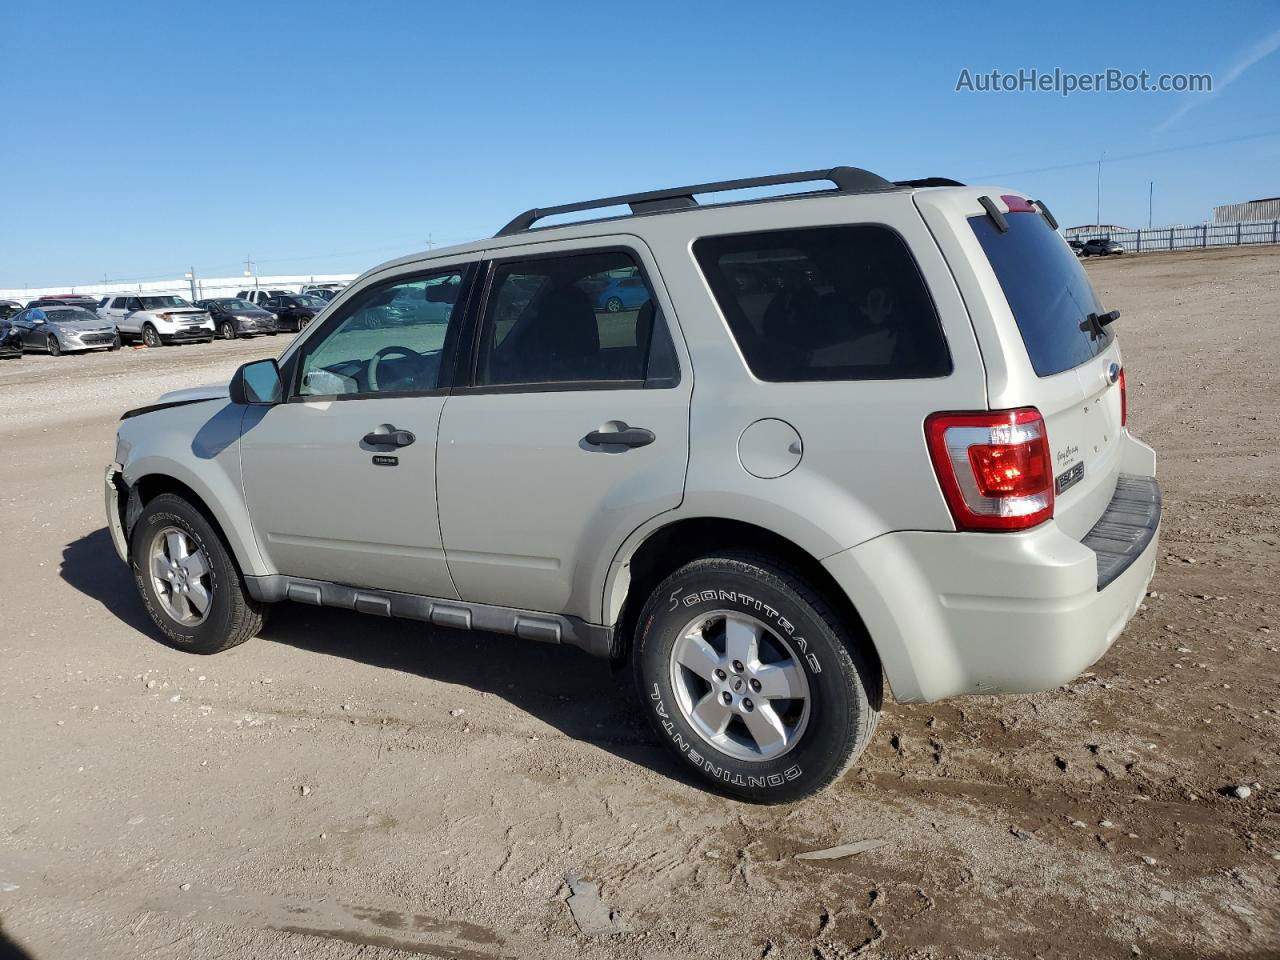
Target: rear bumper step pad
{"type": "Point", "coordinates": [1126, 527]}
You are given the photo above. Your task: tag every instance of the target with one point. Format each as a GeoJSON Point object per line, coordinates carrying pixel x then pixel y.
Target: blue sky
{"type": "Point", "coordinates": [143, 138]}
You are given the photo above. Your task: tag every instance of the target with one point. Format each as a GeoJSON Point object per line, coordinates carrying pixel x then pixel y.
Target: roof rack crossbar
{"type": "Point", "coordinates": [846, 180]}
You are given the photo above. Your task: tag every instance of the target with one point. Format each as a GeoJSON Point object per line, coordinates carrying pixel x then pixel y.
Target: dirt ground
{"type": "Point", "coordinates": [352, 787]}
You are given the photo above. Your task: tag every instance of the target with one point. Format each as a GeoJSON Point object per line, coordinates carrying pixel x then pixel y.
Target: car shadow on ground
{"type": "Point", "coordinates": [581, 696]}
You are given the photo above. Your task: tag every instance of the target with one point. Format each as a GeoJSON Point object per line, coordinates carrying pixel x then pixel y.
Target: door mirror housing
{"type": "Point", "coordinates": [257, 384]}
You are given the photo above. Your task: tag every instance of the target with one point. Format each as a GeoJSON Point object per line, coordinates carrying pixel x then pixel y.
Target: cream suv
{"type": "Point", "coordinates": [864, 433]}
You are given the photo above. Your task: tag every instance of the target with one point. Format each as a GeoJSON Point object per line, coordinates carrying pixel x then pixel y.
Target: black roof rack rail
{"type": "Point", "coordinates": [929, 182]}
{"type": "Point", "coordinates": [846, 179]}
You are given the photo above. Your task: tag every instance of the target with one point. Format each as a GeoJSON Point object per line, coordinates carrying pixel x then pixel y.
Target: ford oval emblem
{"type": "Point", "coordinates": [1113, 373]}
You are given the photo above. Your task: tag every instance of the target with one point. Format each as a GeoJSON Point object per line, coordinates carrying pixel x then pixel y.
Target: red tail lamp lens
{"type": "Point", "coordinates": [993, 467]}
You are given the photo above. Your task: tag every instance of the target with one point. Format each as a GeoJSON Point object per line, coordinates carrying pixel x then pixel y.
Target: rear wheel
{"type": "Point", "coordinates": [613, 305]}
{"type": "Point", "coordinates": [55, 348]}
{"type": "Point", "coordinates": [188, 579]}
{"type": "Point", "coordinates": [150, 337]}
{"type": "Point", "coordinates": [746, 673]}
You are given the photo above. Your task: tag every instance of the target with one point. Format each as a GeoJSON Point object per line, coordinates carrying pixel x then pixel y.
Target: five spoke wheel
{"type": "Point", "coordinates": [180, 573]}
{"type": "Point", "coordinates": [740, 685]}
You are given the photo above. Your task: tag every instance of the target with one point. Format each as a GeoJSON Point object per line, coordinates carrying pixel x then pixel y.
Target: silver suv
{"type": "Point", "coordinates": [872, 431]}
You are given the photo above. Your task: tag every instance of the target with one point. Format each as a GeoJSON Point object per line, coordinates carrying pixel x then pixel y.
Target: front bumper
{"type": "Point", "coordinates": [188, 334]}
{"type": "Point", "coordinates": [115, 494]}
{"type": "Point", "coordinates": [981, 613]}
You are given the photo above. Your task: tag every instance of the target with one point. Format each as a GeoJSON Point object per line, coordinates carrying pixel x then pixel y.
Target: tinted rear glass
{"type": "Point", "coordinates": [1047, 290]}
{"type": "Point", "coordinates": [826, 303]}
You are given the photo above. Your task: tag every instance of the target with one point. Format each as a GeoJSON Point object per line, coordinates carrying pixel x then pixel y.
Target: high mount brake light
{"type": "Point", "coordinates": [1124, 399]}
{"type": "Point", "coordinates": [993, 467]}
{"type": "Point", "coordinates": [1017, 204]}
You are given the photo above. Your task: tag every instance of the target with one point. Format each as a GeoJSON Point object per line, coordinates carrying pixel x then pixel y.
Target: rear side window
{"type": "Point", "coordinates": [578, 318]}
{"type": "Point", "coordinates": [826, 303]}
{"type": "Point", "coordinates": [117, 303]}
{"type": "Point", "coordinates": [1047, 290]}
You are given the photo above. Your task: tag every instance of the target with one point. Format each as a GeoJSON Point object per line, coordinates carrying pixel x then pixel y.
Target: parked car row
{"type": "Point", "coordinates": [65, 323]}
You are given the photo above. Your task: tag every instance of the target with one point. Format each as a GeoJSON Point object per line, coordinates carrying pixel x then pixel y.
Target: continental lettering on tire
{"type": "Point", "coordinates": [732, 596]}
{"type": "Point", "coordinates": [710, 766]}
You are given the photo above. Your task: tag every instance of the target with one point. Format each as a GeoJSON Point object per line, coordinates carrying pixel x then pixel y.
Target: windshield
{"type": "Point", "coordinates": [155, 303]}
{"type": "Point", "coordinates": [235, 305]}
{"type": "Point", "coordinates": [68, 314]}
{"type": "Point", "coordinates": [308, 301]}
{"type": "Point", "coordinates": [1047, 289]}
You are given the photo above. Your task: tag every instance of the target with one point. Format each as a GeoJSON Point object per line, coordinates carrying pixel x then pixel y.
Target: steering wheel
{"type": "Point", "coordinates": [372, 375]}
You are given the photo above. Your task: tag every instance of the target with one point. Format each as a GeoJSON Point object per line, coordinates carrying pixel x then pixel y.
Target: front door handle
{"type": "Point", "coordinates": [386, 435]}
{"type": "Point", "coordinates": [622, 436]}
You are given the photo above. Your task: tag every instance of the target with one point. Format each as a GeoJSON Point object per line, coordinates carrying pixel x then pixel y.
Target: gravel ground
{"type": "Point", "coordinates": [352, 787]}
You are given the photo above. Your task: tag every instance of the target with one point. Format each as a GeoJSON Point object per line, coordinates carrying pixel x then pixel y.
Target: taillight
{"type": "Point", "coordinates": [1124, 399]}
{"type": "Point", "coordinates": [994, 468]}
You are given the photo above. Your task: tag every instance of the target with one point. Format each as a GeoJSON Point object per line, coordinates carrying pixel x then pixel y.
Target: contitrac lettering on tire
{"type": "Point", "coordinates": [731, 596]}
{"type": "Point", "coordinates": [706, 763]}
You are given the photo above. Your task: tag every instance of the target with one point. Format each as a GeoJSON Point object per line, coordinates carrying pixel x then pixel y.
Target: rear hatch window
{"type": "Point", "coordinates": [1047, 290]}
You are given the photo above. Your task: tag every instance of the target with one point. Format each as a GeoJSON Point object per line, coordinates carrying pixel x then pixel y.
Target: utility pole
{"type": "Point", "coordinates": [249, 271]}
{"type": "Point", "coordinates": [1097, 218]}
{"type": "Point", "coordinates": [1151, 189]}
{"type": "Point", "coordinates": [428, 241]}
{"type": "Point", "coordinates": [191, 275]}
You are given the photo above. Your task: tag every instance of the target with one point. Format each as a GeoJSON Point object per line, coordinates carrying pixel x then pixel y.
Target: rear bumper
{"type": "Point", "coordinates": [956, 613]}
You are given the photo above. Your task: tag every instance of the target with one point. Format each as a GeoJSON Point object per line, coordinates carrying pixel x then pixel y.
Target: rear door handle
{"type": "Point", "coordinates": [388, 436]}
{"type": "Point", "coordinates": [623, 436]}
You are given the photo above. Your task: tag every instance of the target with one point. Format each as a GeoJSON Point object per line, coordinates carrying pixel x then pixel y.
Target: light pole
{"type": "Point", "coordinates": [1097, 217]}
{"type": "Point", "coordinates": [191, 276]}
{"type": "Point", "coordinates": [249, 271]}
{"type": "Point", "coordinates": [1151, 189]}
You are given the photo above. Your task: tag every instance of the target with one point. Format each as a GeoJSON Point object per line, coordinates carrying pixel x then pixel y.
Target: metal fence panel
{"type": "Point", "coordinates": [1197, 237]}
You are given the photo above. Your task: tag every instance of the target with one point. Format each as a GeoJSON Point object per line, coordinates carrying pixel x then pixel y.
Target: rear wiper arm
{"type": "Point", "coordinates": [1096, 322]}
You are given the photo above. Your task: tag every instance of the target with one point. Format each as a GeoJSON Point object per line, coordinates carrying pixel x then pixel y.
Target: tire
{"type": "Point", "coordinates": [115, 344]}
{"type": "Point", "coordinates": [302, 323]}
{"type": "Point", "coordinates": [150, 337]}
{"type": "Point", "coordinates": [53, 346]}
{"type": "Point", "coordinates": [228, 330]}
{"type": "Point", "coordinates": [613, 305]}
{"type": "Point", "coordinates": [828, 727]}
{"type": "Point", "coordinates": [230, 615]}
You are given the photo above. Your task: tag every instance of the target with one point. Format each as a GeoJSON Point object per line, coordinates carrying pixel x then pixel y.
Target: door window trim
{"type": "Point", "coordinates": [466, 381]}
{"type": "Point", "coordinates": [459, 321]}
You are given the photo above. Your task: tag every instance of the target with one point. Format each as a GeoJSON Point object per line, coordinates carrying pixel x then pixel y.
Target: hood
{"type": "Point", "coordinates": [83, 326]}
{"type": "Point", "coordinates": [213, 391]}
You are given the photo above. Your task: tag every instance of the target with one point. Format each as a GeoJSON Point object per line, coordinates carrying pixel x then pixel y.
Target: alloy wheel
{"type": "Point", "coordinates": [740, 685]}
{"type": "Point", "coordinates": [181, 577]}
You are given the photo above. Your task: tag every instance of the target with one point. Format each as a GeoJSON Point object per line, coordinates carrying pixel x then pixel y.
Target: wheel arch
{"type": "Point", "coordinates": [149, 483]}
{"type": "Point", "coordinates": [633, 577]}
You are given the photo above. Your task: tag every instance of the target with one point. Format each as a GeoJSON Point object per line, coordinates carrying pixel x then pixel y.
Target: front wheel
{"type": "Point", "coordinates": [115, 343]}
{"type": "Point", "coordinates": [150, 337]}
{"type": "Point", "coordinates": [302, 323]}
{"type": "Point", "coordinates": [746, 673]}
{"type": "Point", "coordinates": [188, 579]}
{"type": "Point", "coordinates": [228, 330]}
{"type": "Point", "coordinates": [613, 305]}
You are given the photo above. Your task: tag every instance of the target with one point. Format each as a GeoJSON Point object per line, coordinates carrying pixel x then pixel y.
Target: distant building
{"type": "Point", "coordinates": [1094, 230]}
{"type": "Point", "coordinates": [1251, 211]}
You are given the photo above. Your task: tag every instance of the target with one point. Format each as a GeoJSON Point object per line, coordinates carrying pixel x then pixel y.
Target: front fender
{"type": "Point", "coordinates": [197, 444]}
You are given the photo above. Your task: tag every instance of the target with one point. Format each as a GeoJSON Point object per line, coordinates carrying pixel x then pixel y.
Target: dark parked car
{"type": "Point", "coordinates": [1077, 246]}
{"type": "Point", "coordinates": [8, 308]}
{"type": "Point", "coordinates": [233, 317]}
{"type": "Point", "coordinates": [59, 329]}
{"type": "Point", "coordinates": [1100, 247]}
{"type": "Point", "coordinates": [10, 340]}
{"type": "Point", "coordinates": [294, 311]}
{"type": "Point", "coordinates": [66, 300]}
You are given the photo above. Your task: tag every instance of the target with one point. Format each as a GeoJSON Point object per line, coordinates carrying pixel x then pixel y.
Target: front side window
{"type": "Point", "coordinates": [389, 339]}
{"type": "Point", "coordinates": [826, 303]}
{"type": "Point", "coordinates": [565, 319]}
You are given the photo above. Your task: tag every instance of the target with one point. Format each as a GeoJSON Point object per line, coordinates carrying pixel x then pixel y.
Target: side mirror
{"type": "Point", "coordinates": [257, 383]}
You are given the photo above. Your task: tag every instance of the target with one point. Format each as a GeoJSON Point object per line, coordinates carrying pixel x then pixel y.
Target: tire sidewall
{"type": "Point", "coordinates": [168, 510]}
{"type": "Point", "coordinates": [836, 694]}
